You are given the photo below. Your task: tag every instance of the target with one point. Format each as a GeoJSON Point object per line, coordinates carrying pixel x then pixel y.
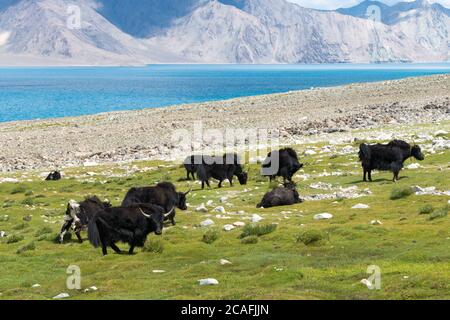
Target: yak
{"type": "Point", "coordinates": [130, 225]}
{"type": "Point", "coordinates": [78, 215]}
{"type": "Point", "coordinates": [164, 194]}
{"type": "Point", "coordinates": [221, 168]}
{"type": "Point", "coordinates": [53, 176]}
{"type": "Point", "coordinates": [387, 157]}
{"type": "Point", "coordinates": [281, 196]}
{"type": "Point", "coordinates": [282, 163]}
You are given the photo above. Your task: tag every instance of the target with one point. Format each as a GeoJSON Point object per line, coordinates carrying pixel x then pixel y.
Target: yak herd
{"type": "Point", "coordinates": [144, 210]}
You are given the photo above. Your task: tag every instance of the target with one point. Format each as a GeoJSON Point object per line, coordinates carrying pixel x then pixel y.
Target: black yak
{"type": "Point", "coordinates": [53, 176]}
{"type": "Point", "coordinates": [130, 225]}
{"type": "Point", "coordinates": [78, 215]}
{"type": "Point", "coordinates": [282, 163]}
{"type": "Point", "coordinates": [222, 168]}
{"type": "Point", "coordinates": [387, 157]}
{"type": "Point", "coordinates": [164, 194]}
{"type": "Point", "coordinates": [281, 196]}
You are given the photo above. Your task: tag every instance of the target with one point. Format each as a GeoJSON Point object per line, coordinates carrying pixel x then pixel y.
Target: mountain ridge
{"type": "Point", "coordinates": [138, 32]}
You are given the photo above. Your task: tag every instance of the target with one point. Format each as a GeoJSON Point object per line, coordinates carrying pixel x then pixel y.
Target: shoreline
{"type": "Point", "coordinates": [146, 134]}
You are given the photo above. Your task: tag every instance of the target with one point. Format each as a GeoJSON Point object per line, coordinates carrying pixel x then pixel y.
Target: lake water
{"type": "Point", "coordinates": [33, 93]}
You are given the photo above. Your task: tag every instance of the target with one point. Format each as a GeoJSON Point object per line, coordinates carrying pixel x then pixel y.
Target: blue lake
{"type": "Point", "coordinates": [37, 93]}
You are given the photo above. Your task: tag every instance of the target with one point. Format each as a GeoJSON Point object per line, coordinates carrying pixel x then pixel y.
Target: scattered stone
{"type": "Point", "coordinates": [361, 206]}
{"type": "Point", "coordinates": [220, 210]}
{"type": "Point", "coordinates": [321, 186]}
{"type": "Point", "coordinates": [27, 218]}
{"type": "Point", "coordinates": [224, 199]}
{"type": "Point", "coordinates": [310, 152]}
{"type": "Point", "coordinates": [158, 271]}
{"type": "Point", "coordinates": [62, 296]}
{"type": "Point", "coordinates": [3, 234]}
{"type": "Point", "coordinates": [376, 223]}
{"type": "Point", "coordinates": [207, 223]}
{"type": "Point", "coordinates": [256, 218]}
{"type": "Point", "coordinates": [323, 216]}
{"type": "Point", "coordinates": [10, 180]}
{"type": "Point", "coordinates": [224, 262]}
{"type": "Point", "coordinates": [239, 224]}
{"type": "Point", "coordinates": [208, 282]}
{"type": "Point", "coordinates": [229, 227]}
{"type": "Point", "coordinates": [93, 288]}
{"type": "Point", "coordinates": [201, 208]}
{"type": "Point", "coordinates": [367, 283]}
{"type": "Point", "coordinates": [37, 285]}
{"type": "Point", "coordinates": [440, 133]}
{"type": "Point", "coordinates": [413, 166]}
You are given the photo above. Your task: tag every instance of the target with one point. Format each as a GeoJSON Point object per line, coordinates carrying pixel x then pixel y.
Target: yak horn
{"type": "Point", "coordinates": [190, 189]}
{"type": "Point", "coordinates": [169, 213]}
{"type": "Point", "coordinates": [144, 214]}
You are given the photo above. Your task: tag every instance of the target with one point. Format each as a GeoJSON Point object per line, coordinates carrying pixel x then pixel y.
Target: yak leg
{"type": "Point", "coordinates": [220, 184]}
{"type": "Point", "coordinates": [188, 175]}
{"type": "Point", "coordinates": [172, 218]}
{"type": "Point", "coordinates": [78, 234]}
{"type": "Point", "coordinates": [130, 252]}
{"type": "Point", "coordinates": [64, 229]}
{"type": "Point", "coordinates": [231, 180]}
{"type": "Point", "coordinates": [104, 249]}
{"type": "Point", "coordinates": [365, 175]}
{"type": "Point", "coordinates": [370, 175]}
{"type": "Point", "coordinates": [115, 248]}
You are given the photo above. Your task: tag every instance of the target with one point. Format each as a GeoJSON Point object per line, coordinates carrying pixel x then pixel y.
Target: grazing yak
{"type": "Point", "coordinates": [53, 176]}
{"type": "Point", "coordinates": [164, 194]}
{"type": "Point", "coordinates": [282, 163]}
{"type": "Point", "coordinates": [221, 168]}
{"type": "Point", "coordinates": [387, 157]}
{"type": "Point", "coordinates": [281, 196]}
{"type": "Point", "coordinates": [130, 225]}
{"type": "Point", "coordinates": [78, 215]}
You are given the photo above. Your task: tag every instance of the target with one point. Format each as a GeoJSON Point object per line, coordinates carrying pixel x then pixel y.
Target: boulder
{"type": "Point", "coordinates": [323, 216]}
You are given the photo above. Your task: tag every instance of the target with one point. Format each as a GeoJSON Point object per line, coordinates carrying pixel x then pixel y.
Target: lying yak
{"type": "Point", "coordinates": [282, 163]}
{"type": "Point", "coordinates": [78, 215]}
{"type": "Point", "coordinates": [221, 168]}
{"type": "Point", "coordinates": [281, 196]}
{"type": "Point", "coordinates": [54, 176]}
{"type": "Point", "coordinates": [164, 194]}
{"type": "Point", "coordinates": [387, 157]}
{"type": "Point", "coordinates": [130, 225]}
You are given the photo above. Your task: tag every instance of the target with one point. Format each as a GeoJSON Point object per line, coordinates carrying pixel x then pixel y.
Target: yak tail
{"type": "Point", "coordinates": [93, 233]}
{"type": "Point", "coordinates": [364, 152]}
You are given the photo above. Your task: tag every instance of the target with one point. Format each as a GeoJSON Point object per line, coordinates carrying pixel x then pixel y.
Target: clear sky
{"type": "Point", "coordinates": [334, 4]}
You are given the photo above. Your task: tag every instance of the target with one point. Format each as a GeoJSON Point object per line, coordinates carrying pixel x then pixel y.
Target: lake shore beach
{"type": "Point", "coordinates": [147, 134]}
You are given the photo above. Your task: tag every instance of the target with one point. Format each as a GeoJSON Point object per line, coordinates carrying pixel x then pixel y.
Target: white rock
{"type": "Point", "coordinates": [228, 227]}
{"type": "Point", "coordinates": [11, 180]}
{"type": "Point", "coordinates": [367, 283]}
{"type": "Point", "coordinates": [224, 262]}
{"type": "Point", "coordinates": [201, 208]}
{"type": "Point", "coordinates": [360, 206]}
{"type": "Point", "coordinates": [440, 132]}
{"type": "Point", "coordinates": [239, 224]}
{"type": "Point", "coordinates": [310, 152]}
{"type": "Point", "coordinates": [207, 223]}
{"type": "Point", "coordinates": [224, 199]}
{"type": "Point", "coordinates": [376, 223]}
{"type": "Point", "coordinates": [3, 234]}
{"type": "Point", "coordinates": [220, 210]}
{"type": "Point", "coordinates": [413, 166]}
{"type": "Point", "coordinates": [210, 203]}
{"type": "Point", "coordinates": [37, 285]}
{"type": "Point", "coordinates": [62, 296]}
{"type": "Point", "coordinates": [93, 288]}
{"type": "Point", "coordinates": [208, 282]}
{"type": "Point", "coordinates": [256, 218]}
{"type": "Point", "coordinates": [323, 216]}
{"type": "Point", "coordinates": [158, 271]}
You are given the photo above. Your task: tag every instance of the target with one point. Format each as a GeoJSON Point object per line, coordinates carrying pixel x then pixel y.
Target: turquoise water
{"type": "Point", "coordinates": [36, 93]}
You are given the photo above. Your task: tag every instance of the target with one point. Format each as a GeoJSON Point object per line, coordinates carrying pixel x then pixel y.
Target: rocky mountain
{"type": "Point", "coordinates": [117, 32]}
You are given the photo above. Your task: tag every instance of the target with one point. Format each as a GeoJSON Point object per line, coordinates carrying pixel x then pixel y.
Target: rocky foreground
{"type": "Point", "coordinates": [147, 134]}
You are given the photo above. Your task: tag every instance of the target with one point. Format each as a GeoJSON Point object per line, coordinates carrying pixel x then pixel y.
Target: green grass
{"type": "Point", "coordinates": [301, 259]}
{"type": "Point", "coordinates": [401, 192]}
{"type": "Point", "coordinates": [426, 209]}
{"type": "Point", "coordinates": [258, 230]}
{"type": "Point", "coordinates": [210, 236]}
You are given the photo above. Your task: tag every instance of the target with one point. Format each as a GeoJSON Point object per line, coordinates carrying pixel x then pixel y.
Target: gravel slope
{"type": "Point", "coordinates": [144, 134]}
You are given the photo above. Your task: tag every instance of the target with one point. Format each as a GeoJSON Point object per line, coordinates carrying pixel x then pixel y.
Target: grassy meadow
{"type": "Point", "coordinates": [297, 258]}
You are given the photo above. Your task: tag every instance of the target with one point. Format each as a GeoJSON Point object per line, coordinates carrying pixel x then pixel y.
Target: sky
{"type": "Point", "coordinates": [334, 4]}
